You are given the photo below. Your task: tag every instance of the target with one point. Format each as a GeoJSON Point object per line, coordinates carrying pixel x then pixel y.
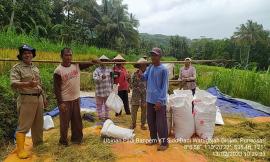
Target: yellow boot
{"type": "Point", "coordinates": [20, 139]}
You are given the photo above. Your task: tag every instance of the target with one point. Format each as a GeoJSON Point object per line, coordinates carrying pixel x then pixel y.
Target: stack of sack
{"type": "Point", "coordinates": [204, 114]}
{"type": "Point", "coordinates": [186, 122]}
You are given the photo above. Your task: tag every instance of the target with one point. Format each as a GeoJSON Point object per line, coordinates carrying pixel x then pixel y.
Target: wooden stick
{"type": "Point", "coordinates": [111, 62]}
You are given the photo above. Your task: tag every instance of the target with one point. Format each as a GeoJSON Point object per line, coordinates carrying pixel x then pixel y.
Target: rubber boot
{"type": "Point", "coordinates": [20, 139]}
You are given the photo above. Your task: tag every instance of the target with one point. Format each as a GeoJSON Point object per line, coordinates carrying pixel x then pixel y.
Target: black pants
{"type": "Point", "coordinates": [124, 96]}
{"type": "Point", "coordinates": [157, 123]}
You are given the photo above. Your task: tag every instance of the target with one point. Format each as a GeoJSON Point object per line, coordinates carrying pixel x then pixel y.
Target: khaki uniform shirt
{"type": "Point", "coordinates": [22, 72]}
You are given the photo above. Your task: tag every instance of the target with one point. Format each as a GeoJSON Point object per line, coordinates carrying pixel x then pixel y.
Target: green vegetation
{"type": "Point", "coordinates": [108, 25]}
{"type": "Point", "coordinates": [241, 129]}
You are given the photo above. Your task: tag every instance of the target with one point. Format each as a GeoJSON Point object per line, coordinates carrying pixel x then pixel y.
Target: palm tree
{"type": "Point", "coordinates": [246, 37]}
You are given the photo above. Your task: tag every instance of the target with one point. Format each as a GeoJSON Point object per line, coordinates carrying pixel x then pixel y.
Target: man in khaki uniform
{"type": "Point", "coordinates": [25, 80]}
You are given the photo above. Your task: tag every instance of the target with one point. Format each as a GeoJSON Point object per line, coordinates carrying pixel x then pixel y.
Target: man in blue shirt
{"type": "Point", "coordinates": [156, 96]}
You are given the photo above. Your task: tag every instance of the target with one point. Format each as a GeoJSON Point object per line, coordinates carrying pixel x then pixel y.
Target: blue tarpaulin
{"type": "Point", "coordinates": [85, 102]}
{"type": "Point", "coordinates": [234, 106]}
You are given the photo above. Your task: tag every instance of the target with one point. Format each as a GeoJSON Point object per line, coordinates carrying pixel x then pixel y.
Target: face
{"type": "Point", "coordinates": [143, 67]}
{"type": "Point", "coordinates": [27, 57]}
{"type": "Point", "coordinates": [67, 57]}
{"type": "Point", "coordinates": [187, 63]}
{"type": "Point", "coordinates": [155, 58]}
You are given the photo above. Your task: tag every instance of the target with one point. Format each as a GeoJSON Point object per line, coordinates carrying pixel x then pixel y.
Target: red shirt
{"type": "Point", "coordinates": [122, 79]}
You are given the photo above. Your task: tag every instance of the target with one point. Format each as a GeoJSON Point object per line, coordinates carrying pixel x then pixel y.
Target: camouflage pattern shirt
{"type": "Point", "coordinates": [138, 90]}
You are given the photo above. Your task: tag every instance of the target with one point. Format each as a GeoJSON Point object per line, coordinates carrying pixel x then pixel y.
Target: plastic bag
{"type": "Point", "coordinates": [48, 122]}
{"type": "Point", "coordinates": [114, 102]}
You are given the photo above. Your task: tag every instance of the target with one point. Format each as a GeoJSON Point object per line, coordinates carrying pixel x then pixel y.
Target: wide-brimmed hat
{"type": "Point", "coordinates": [156, 51]}
{"type": "Point", "coordinates": [140, 62]}
{"type": "Point", "coordinates": [119, 58]}
{"type": "Point", "coordinates": [188, 59]}
{"type": "Point", "coordinates": [26, 48]}
{"type": "Point", "coordinates": [104, 58]}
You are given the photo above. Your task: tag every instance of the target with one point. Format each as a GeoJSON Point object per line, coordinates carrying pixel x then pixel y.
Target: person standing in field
{"type": "Point", "coordinates": [122, 77]}
{"type": "Point", "coordinates": [138, 98]}
{"type": "Point", "coordinates": [157, 79]}
{"type": "Point", "coordinates": [187, 75]}
{"type": "Point", "coordinates": [103, 79]}
{"type": "Point", "coordinates": [25, 79]}
{"type": "Point", "coordinates": [67, 91]}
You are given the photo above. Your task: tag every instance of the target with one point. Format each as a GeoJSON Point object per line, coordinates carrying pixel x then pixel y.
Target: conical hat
{"type": "Point", "coordinates": [103, 57]}
{"type": "Point", "coordinates": [119, 58]}
{"type": "Point", "coordinates": [141, 61]}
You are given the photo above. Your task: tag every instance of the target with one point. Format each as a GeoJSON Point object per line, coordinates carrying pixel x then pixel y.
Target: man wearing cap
{"type": "Point", "coordinates": [121, 77]}
{"type": "Point", "coordinates": [102, 77]}
{"type": "Point", "coordinates": [188, 76]}
{"type": "Point", "coordinates": [156, 76]}
{"type": "Point", "coordinates": [138, 98]}
{"type": "Point", "coordinates": [25, 79]}
{"type": "Point", "coordinates": [67, 92]}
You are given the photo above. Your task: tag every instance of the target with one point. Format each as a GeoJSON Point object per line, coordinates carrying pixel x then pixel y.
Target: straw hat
{"type": "Point", "coordinates": [104, 58]}
{"type": "Point", "coordinates": [119, 58]}
{"type": "Point", "coordinates": [188, 59]}
{"type": "Point", "coordinates": [141, 61]}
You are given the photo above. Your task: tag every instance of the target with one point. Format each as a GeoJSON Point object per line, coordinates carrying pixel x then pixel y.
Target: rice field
{"type": "Point", "coordinates": [237, 83]}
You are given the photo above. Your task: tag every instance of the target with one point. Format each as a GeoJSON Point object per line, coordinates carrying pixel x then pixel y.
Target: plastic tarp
{"type": "Point", "coordinates": [231, 105]}
{"type": "Point", "coordinates": [87, 104]}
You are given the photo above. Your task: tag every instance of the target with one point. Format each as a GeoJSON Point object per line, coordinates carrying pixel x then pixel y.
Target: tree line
{"type": "Point", "coordinates": [105, 25]}
{"type": "Point", "coordinates": [110, 25]}
{"type": "Point", "coordinates": [249, 46]}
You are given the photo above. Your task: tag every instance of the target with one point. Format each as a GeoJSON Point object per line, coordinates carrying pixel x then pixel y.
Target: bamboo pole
{"type": "Point", "coordinates": [112, 62]}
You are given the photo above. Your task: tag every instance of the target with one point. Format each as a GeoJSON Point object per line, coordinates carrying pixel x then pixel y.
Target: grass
{"type": "Point", "coordinates": [245, 84]}
{"type": "Point", "coordinates": [238, 128]}
{"type": "Point", "coordinates": [92, 148]}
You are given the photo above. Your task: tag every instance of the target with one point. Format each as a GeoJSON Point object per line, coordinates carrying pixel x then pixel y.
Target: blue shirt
{"type": "Point", "coordinates": [157, 84]}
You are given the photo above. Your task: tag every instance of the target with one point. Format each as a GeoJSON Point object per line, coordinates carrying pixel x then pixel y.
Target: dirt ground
{"type": "Point", "coordinates": [132, 152]}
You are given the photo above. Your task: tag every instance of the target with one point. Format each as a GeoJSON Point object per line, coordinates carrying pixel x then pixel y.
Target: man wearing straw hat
{"type": "Point", "coordinates": [187, 75]}
{"type": "Point", "coordinates": [121, 77]}
{"type": "Point", "coordinates": [138, 98]}
{"type": "Point", "coordinates": [103, 80]}
{"type": "Point", "coordinates": [25, 79]}
{"type": "Point", "coordinates": [157, 79]}
{"type": "Point", "coordinates": [67, 92]}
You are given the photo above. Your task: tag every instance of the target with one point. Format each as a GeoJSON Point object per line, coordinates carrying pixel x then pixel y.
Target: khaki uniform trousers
{"type": "Point", "coordinates": [30, 110]}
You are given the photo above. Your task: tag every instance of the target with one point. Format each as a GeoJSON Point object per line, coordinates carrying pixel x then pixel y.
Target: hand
{"type": "Point", "coordinates": [157, 106]}
{"type": "Point", "coordinates": [140, 74]}
{"type": "Point", "coordinates": [46, 103]}
{"type": "Point", "coordinates": [185, 79]}
{"type": "Point", "coordinates": [63, 107]}
{"type": "Point", "coordinates": [103, 76]}
{"type": "Point", "coordinates": [128, 90]}
{"type": "Point", "coordinates": [32, 83]}
{"type": "Point", "coordinates": [96, 61]}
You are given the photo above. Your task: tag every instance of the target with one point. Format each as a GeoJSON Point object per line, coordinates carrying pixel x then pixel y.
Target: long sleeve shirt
{"type": "Point", "coordinates": [103, 86]}
{"type": "Point", "coordinates": [157, 84]}
{"type": "Point", "coordinates": [190, 75]}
